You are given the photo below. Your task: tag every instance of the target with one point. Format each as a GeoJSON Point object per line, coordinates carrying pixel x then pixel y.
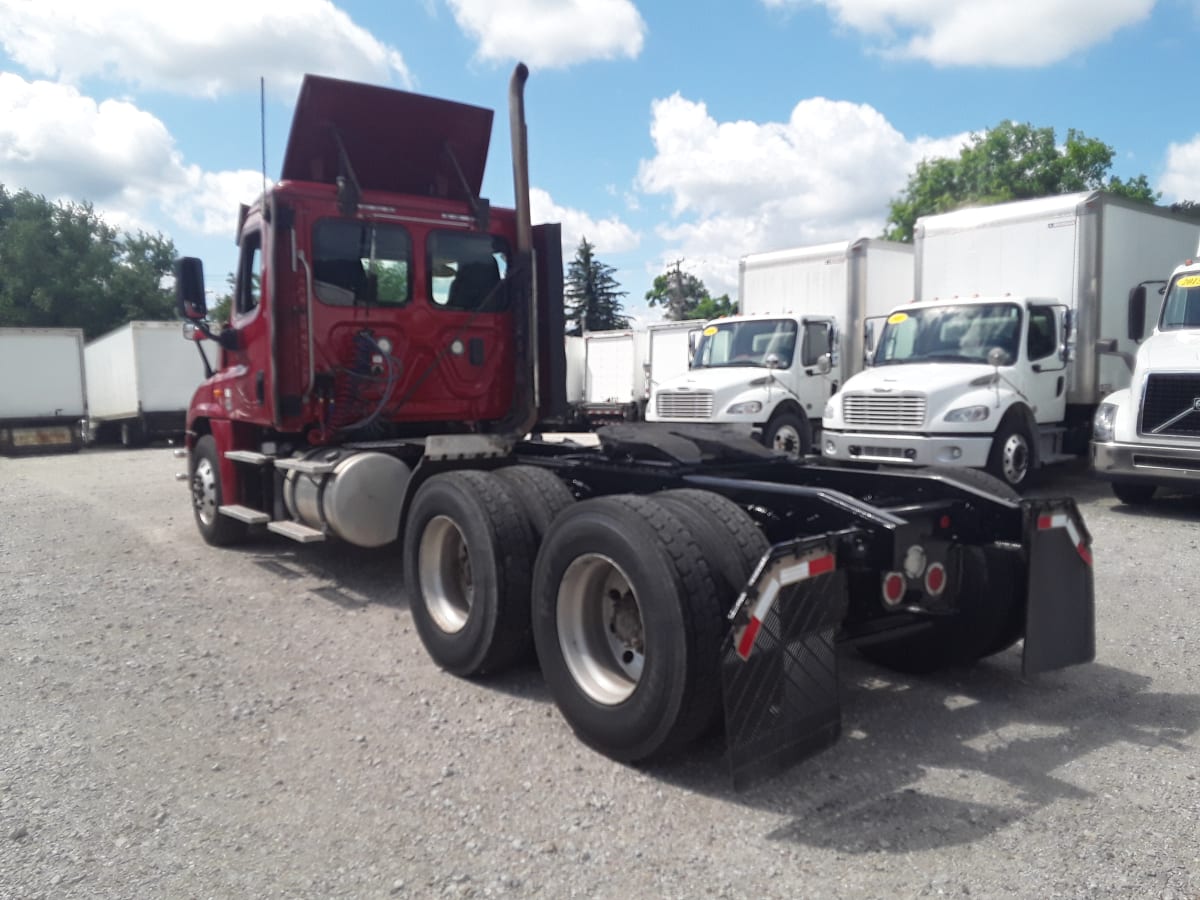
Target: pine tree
{"type": "Point", "coordinates": [592, 294]}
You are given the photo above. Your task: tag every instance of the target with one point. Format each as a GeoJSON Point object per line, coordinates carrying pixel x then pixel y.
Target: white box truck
{"type": "Point", "coordinates": [613, 376]}
{"type": "Point", "coordinates": [1147, 436]}
{"type": "Point", "coordinates": [139, 383]}
{"type": "Point", "coordinates": [999, 365]}
{"type": "Point", "coordinates": [770, 369]}
{"type": "Point", "coordinates": [669, 348]}
{"type": "Point", "coordinates": [42, 396]}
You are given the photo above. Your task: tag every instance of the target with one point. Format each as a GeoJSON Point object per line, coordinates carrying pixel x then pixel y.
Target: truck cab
{"type": "Point", "coordinates": [1147, 436]}
{"type": "Point", "coordinates": [979, 383]}
{"type": "Point", "coordinates": [765, 375]}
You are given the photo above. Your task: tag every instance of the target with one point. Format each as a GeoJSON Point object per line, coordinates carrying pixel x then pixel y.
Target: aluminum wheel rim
{"type": "Point", "coordinates": [204, 491]}
{"type": "Point", "coordinates": [444, 566]}
{"type": "Point", "coordinates": [600, 629]}
{"type": "Point", "coordinates": [1015, 458]}
{"type": "Point", "coordinates": [787, 440]}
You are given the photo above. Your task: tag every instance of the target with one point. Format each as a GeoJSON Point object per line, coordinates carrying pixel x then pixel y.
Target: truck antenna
{"type": "Point", "coordinates": [262, 128]}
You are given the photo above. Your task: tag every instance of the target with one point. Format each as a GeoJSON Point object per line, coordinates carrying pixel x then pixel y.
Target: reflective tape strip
{"type": "Point", "coordinates": [1062, 520]}
{"type": "Point", "coordinates": [791, 574]}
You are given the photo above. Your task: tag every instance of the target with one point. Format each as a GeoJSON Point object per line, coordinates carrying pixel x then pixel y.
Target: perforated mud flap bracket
{"type": "Point", "coordinates": [779, 661]}
{"type": "Point", "coordinates": [1060, 607]}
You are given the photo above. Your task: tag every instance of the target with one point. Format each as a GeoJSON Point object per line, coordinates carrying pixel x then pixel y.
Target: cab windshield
{"type": "Point", "coordinates": [761, 342]}
{"type": "Point", "coordinates": [1181, 308]}
{"type": "Point", "coordinates": [950, 333]}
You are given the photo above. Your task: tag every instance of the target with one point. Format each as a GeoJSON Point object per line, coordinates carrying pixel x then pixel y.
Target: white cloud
{"type": "Point", "coordinates": [552, 33]}
{"type": "Point", "coordinates": [57, 142]}
{"type": "Point", "coordinates": [983, 32]}
{"type": "Point", "coordinates": [826, 174]}
{"type": "Point", "coordinates": [1181, 178]}
{"type": "Point", "coordinates": [609, 235]}
{"type": "Point", "coordinates": [202, 49]}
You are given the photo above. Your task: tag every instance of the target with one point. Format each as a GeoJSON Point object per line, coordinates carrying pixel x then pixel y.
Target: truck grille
{"type": "Point", "coordinates": [884, 410]}
{"type": "Point", "coordinates": [1171, 405]}
{"type": "Point", "coordinates": [684, 404]}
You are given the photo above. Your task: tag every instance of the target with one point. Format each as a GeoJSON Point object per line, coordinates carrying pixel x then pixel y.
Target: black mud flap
{"type": "Point", "coordinates": [1060, 606]}
{"type": "Point", "coordinates": [779, 661]}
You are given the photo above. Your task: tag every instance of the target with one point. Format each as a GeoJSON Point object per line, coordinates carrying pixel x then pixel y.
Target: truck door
{"type": "Point", "coordinates": [1047, 368]}
{"type": "Point", "coordinates": [816, 372]}
{"type": "Point", "coordinates": [248, 364]}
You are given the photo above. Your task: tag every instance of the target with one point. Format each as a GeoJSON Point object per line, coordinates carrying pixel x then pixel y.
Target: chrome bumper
{"type": "Point", "coordinates": [1148, 463]}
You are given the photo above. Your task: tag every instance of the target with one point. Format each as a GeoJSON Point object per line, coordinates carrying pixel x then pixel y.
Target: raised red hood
{"type": "Point", "coordinates": [395, 140]}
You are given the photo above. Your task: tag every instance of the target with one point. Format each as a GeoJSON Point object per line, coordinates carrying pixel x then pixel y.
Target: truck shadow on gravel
{"type": "Point", "coordinates": [350, 577]}
{"type": "Point", "coordinates": [933, 762]}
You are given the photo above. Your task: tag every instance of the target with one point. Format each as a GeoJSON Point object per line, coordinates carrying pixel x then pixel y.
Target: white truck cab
{"type": "Point", "coordinates": [770, 370]}
{"type": "Point", "coordinates": [979, 382]}
{"type": "Point", "coordinates": [1147, 436]}
{"type": "Point", "coordinates": [762, 374]}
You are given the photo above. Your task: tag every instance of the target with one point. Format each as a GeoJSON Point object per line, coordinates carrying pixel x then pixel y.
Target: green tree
{"type": "Point", "coordinates": [61, 265]}
{"type": "Point", "coordinates": [1012, 161]}
{"type": "Point", "coordinates": [682, 295]}
{"type": "Point", "coordinates": [593, 296]}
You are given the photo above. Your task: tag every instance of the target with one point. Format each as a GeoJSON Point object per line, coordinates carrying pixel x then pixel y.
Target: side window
{"type": "Point", "coordinates": [1042, 332]}
{"type": "Point", "coordinates": [466, 271]}
{"type": "Point", "coordinates": [816, 343]}
{"type": "Point", "coordinates": [249, 282]}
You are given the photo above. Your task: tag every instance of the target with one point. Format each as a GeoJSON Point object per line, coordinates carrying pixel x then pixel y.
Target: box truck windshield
{"type": "Point", "coordinates": [950, 333]}
{"type": "Point", "coordinates": [757, 342]}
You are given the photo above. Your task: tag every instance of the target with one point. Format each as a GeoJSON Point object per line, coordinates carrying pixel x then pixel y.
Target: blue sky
{"type": "Point", "coordinates": [698, 131]}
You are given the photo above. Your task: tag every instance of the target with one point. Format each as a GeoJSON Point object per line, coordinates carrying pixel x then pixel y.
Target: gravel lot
{"type": "Point", "coordinates": [181, 721]}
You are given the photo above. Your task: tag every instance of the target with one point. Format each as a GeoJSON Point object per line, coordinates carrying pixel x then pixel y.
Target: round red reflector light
{"type": "Point", "coordinates": [935, 579]}
{"type": "Point", "coordinates": [893, 588]}
{"type": "Point", "coordinates": [944, 522]}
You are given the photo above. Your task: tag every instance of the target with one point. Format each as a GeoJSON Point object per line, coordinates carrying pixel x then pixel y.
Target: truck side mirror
{"type": "Point", "coordinates": [997, 357]}
{"type": "Point", "coordinates": [1137, 313]}
{"type": "Point", "coordinates": [189, 288]}
{"type": "Point", "coordinates": [825, 363]}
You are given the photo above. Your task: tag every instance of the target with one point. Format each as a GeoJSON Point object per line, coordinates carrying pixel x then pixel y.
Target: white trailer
{"type": "Point", "coordinates": [1042, 281]}
{"type": "Point", "coordinates": [669, 348]}
{"type": "Point", "coordinates": [42, 395]}
{"type": "Point", "coordinates": [575, 365]}
{"type": "Point", "coordinates": [802, 318]}
{"type": "Point", "coordinates": [613, 376]}
{"type": "Point", "coordinates": [139, 383]}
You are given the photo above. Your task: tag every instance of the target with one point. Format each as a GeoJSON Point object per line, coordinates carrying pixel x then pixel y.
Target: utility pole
{"type": "Point", "coordinates": [675, 291]}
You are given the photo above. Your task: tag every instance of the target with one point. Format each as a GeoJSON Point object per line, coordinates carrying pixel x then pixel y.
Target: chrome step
{"type": "Point", "coordinates": [244, 514]}
{"type": "Point", "coordinates": [306, 466]}
{"type": "Point", "coordinates": [296, 532]}
{"type": "Point", "coordinates": [248, 456]}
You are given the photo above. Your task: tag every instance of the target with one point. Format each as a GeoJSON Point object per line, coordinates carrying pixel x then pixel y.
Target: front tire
{"type": "Point", "coordinates": [788, 433]}
{"type": "Point", "coordinates": [468, 552]}
{"type": "Point", "coordinates": [1011, 458]}
{"type": "Point", "coordinates": [628, 627]}
{"type": "Point", "coordinates": [1133, 494]}
{"type": "Point", "coordinates": [208, 494]}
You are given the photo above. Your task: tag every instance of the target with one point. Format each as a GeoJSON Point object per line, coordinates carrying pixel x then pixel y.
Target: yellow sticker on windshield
{"type": "Point", "coordinates": [710, 331]}
{"type": "Point", "coordinates": [897, 318]}
{"type": "Point", "coordinates": [1189, 281]}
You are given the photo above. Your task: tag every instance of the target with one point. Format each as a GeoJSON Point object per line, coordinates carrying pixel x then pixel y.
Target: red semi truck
{"type": "Point", "coordinates": [394, 352]}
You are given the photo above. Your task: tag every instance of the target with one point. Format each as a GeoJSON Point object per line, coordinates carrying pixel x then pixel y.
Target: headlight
{"type": "Point", "coordinates": [745, 409]}
{"type": "Point", "coordinates": [830, 410]}
{"type": "Point", "coordinates": [1103, 425]}
{"type": "Point", "coordinates": [968, 414]}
